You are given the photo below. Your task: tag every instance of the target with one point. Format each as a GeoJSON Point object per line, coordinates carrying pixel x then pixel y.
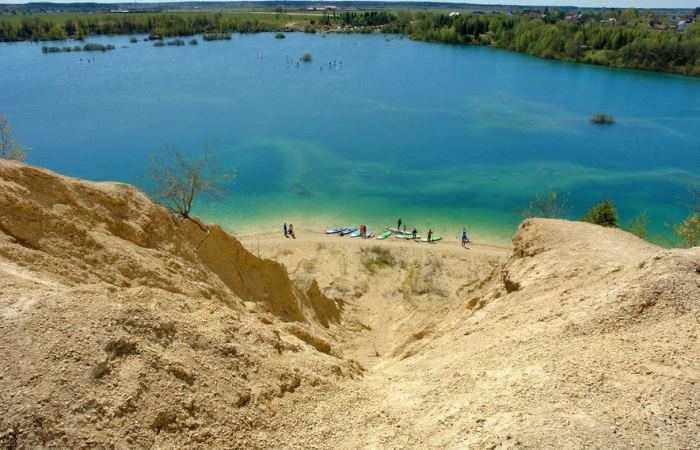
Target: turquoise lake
{"type": "Point", "coordinates": [438, 135]}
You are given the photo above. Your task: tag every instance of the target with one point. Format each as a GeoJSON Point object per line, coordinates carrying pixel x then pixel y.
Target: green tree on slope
{"type": "Point", "coordinates": [9, 148]}
{"type": "Point", "coordinates": [603, 214]}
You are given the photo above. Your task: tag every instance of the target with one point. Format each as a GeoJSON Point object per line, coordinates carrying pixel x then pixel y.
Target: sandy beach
{"type": "Point", "coordinates": [379, 299]}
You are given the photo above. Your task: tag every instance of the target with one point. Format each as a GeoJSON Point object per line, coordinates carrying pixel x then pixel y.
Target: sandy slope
{"type": "Point", "coordinates": [121, 327]}
{"type": "Point", "coordinates": [585, 337]}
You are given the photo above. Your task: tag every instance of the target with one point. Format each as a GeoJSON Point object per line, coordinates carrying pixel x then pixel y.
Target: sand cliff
{"type": "Point", "coordinates": [121, 327]}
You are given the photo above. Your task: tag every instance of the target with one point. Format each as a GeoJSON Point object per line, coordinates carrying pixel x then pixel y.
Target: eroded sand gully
{"type": "Point", "coordinates": [120, 327]}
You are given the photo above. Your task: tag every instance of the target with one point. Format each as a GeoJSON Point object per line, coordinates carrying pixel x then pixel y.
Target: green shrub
{"type": "Point", "coordinates": [376, 257]}
{"type": "Point", "coordinates": [603, 214]}
{"type": "Point", "coordinates": [133, 40]}
{"type": "Point", "coordinates": [306, 57]}
{"type": "Point", "coordinates": [194, 42]}
{"type": "Point", "coordinates": [280, 36]}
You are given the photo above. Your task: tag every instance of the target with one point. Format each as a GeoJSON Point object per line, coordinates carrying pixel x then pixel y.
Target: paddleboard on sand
{"type": "Point", "coordinates": [348, 231]}
{"type": "Point", "coordinates": [356, 233]}
{"type": "Point", "coordinates": [407, 236]}
{"type": "Point", "coordinates": [384, 235]}
{"type": "Point", "coordinates": [370, 235]}
{"type": "Point", "coordinates": [433, 239]}
{"type": "Point", "coordinates": [396, 230]}
{"type": "Point", "coordinates": [334, 230]}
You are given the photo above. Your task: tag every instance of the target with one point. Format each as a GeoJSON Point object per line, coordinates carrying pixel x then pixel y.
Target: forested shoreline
{"type": "Point", "coordinates": [627, 39]}
{"type": "Point", "coordinates": [635, 45]}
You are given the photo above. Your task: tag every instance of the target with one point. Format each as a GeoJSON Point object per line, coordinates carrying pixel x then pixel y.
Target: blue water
{"type": "Point", "coordinates": [438, 135]}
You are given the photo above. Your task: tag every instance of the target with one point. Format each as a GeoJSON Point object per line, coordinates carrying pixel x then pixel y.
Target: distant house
{"type": "Point", "coordinates": [454, 14]}
{"type": "Point", "coordinates": [577, 18]}
{"type": "Point", "coordinates": [321, 8]}
{"type": "Point", "coordinates": [682, 25]}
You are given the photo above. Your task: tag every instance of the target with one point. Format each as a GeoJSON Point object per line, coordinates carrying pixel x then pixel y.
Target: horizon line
{"type": "Point", "coordinates": [436, 2]}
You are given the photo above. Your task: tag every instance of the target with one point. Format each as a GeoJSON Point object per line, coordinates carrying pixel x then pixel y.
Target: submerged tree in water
{"type": "Point", "coordinates": [551, 204]}
{"type": "Point", "coordinates": [9, 148]}
{"type": "Point", "coordinates": [178, 180]}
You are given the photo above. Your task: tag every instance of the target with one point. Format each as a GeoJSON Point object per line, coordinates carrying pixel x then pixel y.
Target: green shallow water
{"type": "Point", "coordinates": [441, 136]}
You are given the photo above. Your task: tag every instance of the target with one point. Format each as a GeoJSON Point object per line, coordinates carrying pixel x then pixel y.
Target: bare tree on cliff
{"type": "Point", "coordinates": [179, 180]}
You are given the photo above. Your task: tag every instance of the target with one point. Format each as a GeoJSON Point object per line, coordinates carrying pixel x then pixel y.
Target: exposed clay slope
{"type": "Point", "coordinates": [258, 280]}
{"type": "Point", "coordinates": [116, 330]}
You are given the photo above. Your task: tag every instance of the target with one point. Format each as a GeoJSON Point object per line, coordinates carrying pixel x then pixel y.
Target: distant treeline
{"type": "Point", "coordinates": [634, 45]}
{"type": "Point", "coordinates": [627, 38]}
{"type": "Point", "coordinates": [37, 28]}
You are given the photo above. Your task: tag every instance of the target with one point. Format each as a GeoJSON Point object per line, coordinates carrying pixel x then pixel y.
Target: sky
{"type": "Point", "coordinates": [580, 3]}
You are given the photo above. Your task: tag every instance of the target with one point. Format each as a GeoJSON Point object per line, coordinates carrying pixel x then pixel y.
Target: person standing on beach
{"type": "Point", "coordinates": [414, 233]}
{"type": "Point", "coordinates": [290, 230]}
{"type": "Point", "coordinates": [430, 235]}
{"type": "Point", "coordinates": [398, 225]}
{"type": "Point", "coordinates": [465, 238]}
{"type": "Point", "coordinates": [284, 228]}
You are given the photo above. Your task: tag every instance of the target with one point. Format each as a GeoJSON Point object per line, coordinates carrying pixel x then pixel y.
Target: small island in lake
{"type": "Point", "coordinates": [603, 119]}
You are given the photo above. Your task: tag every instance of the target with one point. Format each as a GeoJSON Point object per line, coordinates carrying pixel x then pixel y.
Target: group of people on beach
{"type": "Point", "coordinates": [414, 233]}
{"type": "Point", "coordinates": [289, 230]}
